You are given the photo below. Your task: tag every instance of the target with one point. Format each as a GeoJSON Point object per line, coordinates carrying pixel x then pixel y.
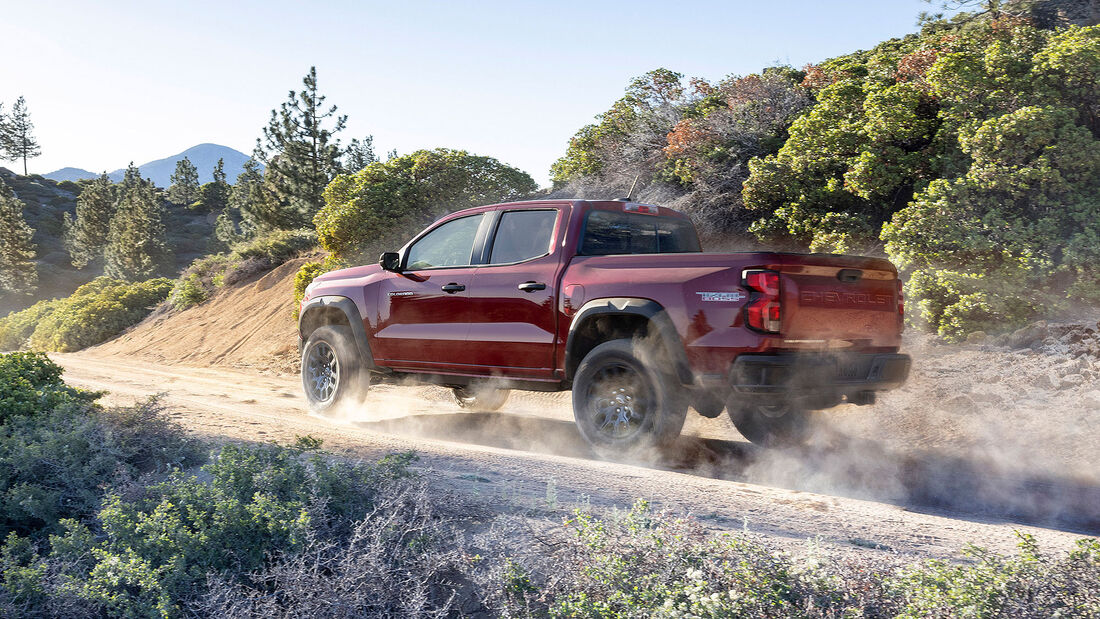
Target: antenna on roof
{"type": "Point", "coordinates": [630, 194]}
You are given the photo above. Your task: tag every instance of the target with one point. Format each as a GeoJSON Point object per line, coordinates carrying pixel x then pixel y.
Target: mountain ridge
{"type": "Point", "coordinates": [204, 156]}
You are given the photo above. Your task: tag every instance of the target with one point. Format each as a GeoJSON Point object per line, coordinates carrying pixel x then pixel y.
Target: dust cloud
{"type": "Point", "coordinates": [1004, 429]}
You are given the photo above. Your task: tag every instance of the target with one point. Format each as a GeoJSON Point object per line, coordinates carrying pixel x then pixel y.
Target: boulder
{"type": "Point", "coordinates": [1047, 380]}
{"type": "Point", "coordinates": [1091, 400]}
{"type": "Point", "coordinates": [1071, 380]}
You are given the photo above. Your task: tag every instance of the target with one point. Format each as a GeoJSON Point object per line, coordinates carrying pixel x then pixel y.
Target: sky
{"type": "Point", "coordinates": [112, 82]}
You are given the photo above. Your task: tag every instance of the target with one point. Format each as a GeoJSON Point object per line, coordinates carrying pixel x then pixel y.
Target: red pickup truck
{"type": "Point", "coordinates": [615, 301]}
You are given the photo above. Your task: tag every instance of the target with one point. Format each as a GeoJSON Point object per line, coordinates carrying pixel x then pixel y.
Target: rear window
{"type": "Point", "coordinates": [613, 232]}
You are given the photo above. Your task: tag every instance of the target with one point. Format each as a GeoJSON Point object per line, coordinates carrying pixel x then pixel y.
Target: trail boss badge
{"type": "Point", "coordinates": [721, 297]}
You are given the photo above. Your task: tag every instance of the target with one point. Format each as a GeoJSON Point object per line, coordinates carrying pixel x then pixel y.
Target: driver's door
{"type": "Point", "coordinates": [424, 310]}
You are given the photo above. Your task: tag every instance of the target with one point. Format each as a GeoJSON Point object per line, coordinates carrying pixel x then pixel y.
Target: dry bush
{"type": "Point", "coordinates": [402, 560]}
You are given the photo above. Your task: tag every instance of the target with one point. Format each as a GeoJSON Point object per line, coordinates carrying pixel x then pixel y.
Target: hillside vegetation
{"type": "Point", "coordinates": [46, 203]}
{"type": "Point", "coordinates": [969, 154]}
{"type": "Point", "coordinates": [95, 312]}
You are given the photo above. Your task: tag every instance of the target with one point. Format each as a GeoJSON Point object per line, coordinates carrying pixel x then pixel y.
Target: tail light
{"type": "Point", "coordinates": [762, 311]}
{"type": "Point", "coordinates": [901, 306]}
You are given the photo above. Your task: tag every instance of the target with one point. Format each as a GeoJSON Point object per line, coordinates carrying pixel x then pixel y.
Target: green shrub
{"type": "Point", "coordinates": [278, 246]}
{"type": "Point", "coordinates": [31, 383]}
{"type": "Point", "coordinates": [1017, 234]}
{"type": "Point", "coordinates": [309, 272]}
{"type": "Point", "coordinates": [96, 312]}
{"type": "Point", "coordinates": [1030, 584]}
{"type": "Point", "coordinates": [159, 545]}
{"type": "Point", "coordinates": [58, 450]}
{"type": "Point", "coordinates": [56, 464]}
{"type": "Point", "coordinates": [16, 328]}
{"type": "Point", "coordinates": [385, 199]}
{"type": "Point", "coordinates": [197, 282]}
{"type": "Point", "coordinates": [187, 291]}
{"type": "Point", "coordinates": [647, 564]}
{"type": "Point", "coordinates": [304, 277]}
{"type": "Point", "coordinates": [69, 186]}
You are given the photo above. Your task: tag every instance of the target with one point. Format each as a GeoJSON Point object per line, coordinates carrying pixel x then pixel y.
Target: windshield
{"type": "Point", "coordinates": [613, 232]}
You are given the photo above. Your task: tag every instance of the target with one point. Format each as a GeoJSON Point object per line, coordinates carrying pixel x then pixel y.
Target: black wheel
{"type": "Point", "coordinates": [708, 405]}
{"type": "Point", "coordinates": [771, 425]}
{"type": "Point", "coordinates": [331, 372]}
{"type": "Point", "coordinates": [483, 400]}
{"type": "Point", "coordinates": [620, 403]}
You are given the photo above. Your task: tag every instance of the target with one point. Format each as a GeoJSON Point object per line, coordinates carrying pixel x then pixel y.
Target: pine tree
{"type": "Point", "coordinates": [86, 237]}
{"type": "Point", "coordinates": [18, 273]}
{"type": "Point", "coordinates": [245, 191]}
{"type": "Point", "coordinates": [5, 132]}
{"type": "Point", "coordinates": [359, 154]}
{"type": "Point", "coordinates": [237, 221]}
{"type": "Point", "coordinates": [19, 143]}
{"type": "Point", "coordinates": [136, 246]}
{"type": "Point", "coordinates": [185, 183]}
{"type": "Point", "coordinates": [301, 155]}
{"type": "Point", "coordinates": [214, 196]}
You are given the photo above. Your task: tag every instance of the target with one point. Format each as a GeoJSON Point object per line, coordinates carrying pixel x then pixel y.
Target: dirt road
{"type": "Point", "coordinates": [843, 490]}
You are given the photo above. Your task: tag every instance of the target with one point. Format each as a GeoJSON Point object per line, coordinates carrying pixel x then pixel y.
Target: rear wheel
{"type": "Point", "coordinates": [771, 425]}
{"type": "Point", "coordinates": [708, 405]}
{"type": "Point", "coordinates": [620, 403]}
{"type": "Point", "coordinates": [484, 400]}
{"type": "Point", "coordinates": [332, 375]}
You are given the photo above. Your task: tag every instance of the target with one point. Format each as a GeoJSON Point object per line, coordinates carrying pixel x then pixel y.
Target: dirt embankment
{"type": "Point", "coordinates": [249, 325]}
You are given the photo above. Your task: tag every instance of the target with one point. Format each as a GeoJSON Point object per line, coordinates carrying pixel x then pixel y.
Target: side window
{"type": "Point", "coordinates": [522, 235]}
{"type": "Point", "coordinates": [451, 244]}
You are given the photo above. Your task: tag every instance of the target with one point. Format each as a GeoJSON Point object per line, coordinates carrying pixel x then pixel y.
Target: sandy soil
{"type": "Point", "coordinates": [252, 324]}
{"type": "Point", "coordinates": [844, 490]}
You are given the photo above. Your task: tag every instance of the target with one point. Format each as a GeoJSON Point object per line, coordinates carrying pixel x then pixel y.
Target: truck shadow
{"type": "Point", "coordinates": [833, 464]}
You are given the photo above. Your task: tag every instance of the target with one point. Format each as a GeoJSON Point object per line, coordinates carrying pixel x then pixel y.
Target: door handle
{"type": "Point", "coordinates": [452, 288]}
{"type": "Point", "coordinates": [532, 286]}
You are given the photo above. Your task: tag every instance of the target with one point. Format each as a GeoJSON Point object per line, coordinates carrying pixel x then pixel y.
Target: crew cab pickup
{"type": "Point", "coordinates": [616, 301]}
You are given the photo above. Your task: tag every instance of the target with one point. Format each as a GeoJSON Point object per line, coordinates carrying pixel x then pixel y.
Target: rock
{"type": "Point", "coordinates": [1047, 380]}
{"type": "Point", "coordinates": [960, 404]}
{"type": "Point", "coordinates": [1071, 380]}
{"type": "Point", "coordinates": [976, 337]}
{"type": "Point", "coordinates": [1072, 366]}
{"type": "Point", "coordinates": [1090, 375]}
{"type": "Point", "coordinates": [1024, 337]}
{"type": "Point", "coordinates": [987, 396]}
{"type": "Point", "coordinates": [1091, 400]}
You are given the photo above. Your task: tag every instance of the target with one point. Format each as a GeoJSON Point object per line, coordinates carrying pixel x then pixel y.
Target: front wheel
{"type": "Point", "coordinates": [771, 425]}
{"type": "Point", "coordinates": [332, 375]}
{"type": "Point", "coordinates": [482, 400]}
{"type": "Point", "coordinates": [620, 403]}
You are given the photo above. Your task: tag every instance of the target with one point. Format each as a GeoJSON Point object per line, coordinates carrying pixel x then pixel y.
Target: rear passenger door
{"type": "Point", "coordinates": [513, 329]}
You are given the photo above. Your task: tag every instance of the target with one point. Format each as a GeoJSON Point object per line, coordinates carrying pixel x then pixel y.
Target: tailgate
{"type": "Point", "coordinates": [854, 302]}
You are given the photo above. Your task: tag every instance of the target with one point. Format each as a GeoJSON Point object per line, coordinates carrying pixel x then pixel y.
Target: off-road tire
{"type": "Point", "coordinates": [648, 404]}
{"type": "Point", "coordinates": [485, 400]}
{"type": "Point", "coordinates": [781, 425]}
{"type": "Point", "coordinates": [332, 373]}
{"type": "Point", "coordinates": [708, 405]}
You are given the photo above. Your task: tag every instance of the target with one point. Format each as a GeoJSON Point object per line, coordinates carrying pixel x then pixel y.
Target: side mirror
{"type": "Point", "coordinates": [390, 261]}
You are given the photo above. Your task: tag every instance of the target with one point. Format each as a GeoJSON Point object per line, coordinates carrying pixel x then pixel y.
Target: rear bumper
{"type": "Point", "coordinates": [845, 374]}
